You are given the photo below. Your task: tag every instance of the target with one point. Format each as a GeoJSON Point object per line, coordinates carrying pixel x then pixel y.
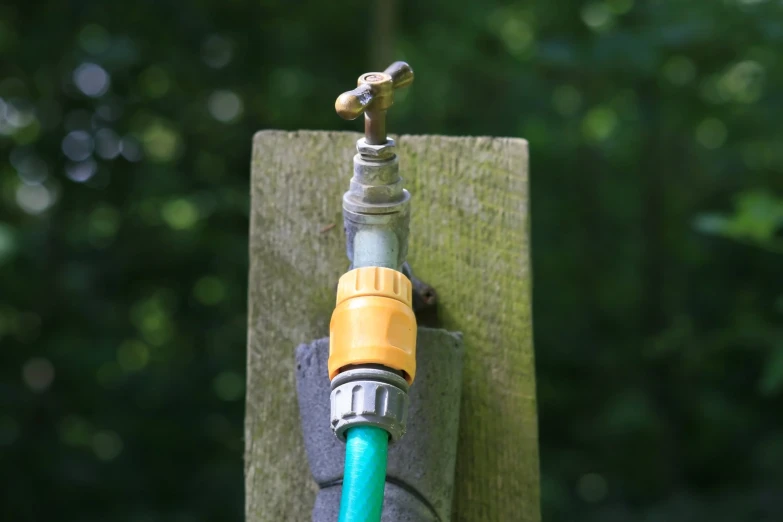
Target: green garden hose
{"type": "Point", "coordinates": [365, 474]}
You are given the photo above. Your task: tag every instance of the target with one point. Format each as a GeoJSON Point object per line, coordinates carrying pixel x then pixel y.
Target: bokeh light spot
{"type": "Point", "coordinates": [289, 83]}
{"type": "Point", "coordinates": [103, 225]}
{"type": "Point", "coordinates": [517, 35]}
{"type": "Point", "coordinates": [15, 114]}
{"type": "Point", "coordinates": [75, 431]}
{"type": "Point", "coordinates": [130, 149]}
{"type": "Point", "coordinates": [209, 290]}
{"type": "Point", "coordinates": [229, 386]}
{"type": "Point", "coordinates": [679, 70]}
{"type": "Point", "coordinates": [711, 133]}
{"type": "Point", "coordinates": [180, 214]}
{"type": "Point", "coordinates": [107, 144]}
{"type": "Point", "coordinates": [592, 487]}
{"type": "Point", "coordinates": [566, 100]}
{"type": "Point", "coordinates": [597, 16]}
{"type": "Point", "coordinates": [34, 199]}
{"type": "Point", "coordinates": [107, 445]}
{"type": "Point", "coordinates": [743, 82]}
{"type": "Point", "coordinates": [38, 374]}
{"type": "Point", "coordinates": [31, 169]}
{"type": "Point", "coordinates": [161, 142]}
{"type": "Point", "coordinates": [155, 81]}
{"type": "Point", "coordinates": [599, 123]}
{"type": "Point", "coordinates": [216, 52]}
{"type": "Point", "coordinates": [225, 106]}
{"type": "Point", "coordinates": [133, 355]}
{"type": "Point", "coordinates": [151, 317]}
{"type": "Point", "coordinates": [91, 79]}
{"type": "Point", "coordinates": [109, 111]}
{"type": "Point", "coordinates": [77, 145]}
{"type": "Point", "coordinates": [81, 171]}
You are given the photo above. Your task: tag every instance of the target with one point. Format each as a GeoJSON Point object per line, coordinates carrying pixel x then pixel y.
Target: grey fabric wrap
{"type": "Point", "coordinates": [420, 473]}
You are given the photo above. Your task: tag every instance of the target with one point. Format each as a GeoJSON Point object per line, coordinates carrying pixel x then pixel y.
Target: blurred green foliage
{"type": "Point", "coordinates": [657, 186]}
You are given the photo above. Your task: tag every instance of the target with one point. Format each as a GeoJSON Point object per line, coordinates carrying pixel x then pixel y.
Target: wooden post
{"type": "Point", "coordinates": [469, 239]}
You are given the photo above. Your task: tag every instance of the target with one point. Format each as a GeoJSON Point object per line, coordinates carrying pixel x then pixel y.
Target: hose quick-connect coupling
{"type": "Point", "coordinates": [372, 350]}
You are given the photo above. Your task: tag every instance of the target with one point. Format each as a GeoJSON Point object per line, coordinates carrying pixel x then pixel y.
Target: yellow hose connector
{"type": "Point", "coordinates": [373, 322]}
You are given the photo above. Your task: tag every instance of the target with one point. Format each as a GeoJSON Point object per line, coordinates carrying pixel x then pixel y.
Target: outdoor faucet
{"type": "Point", "coordinates": [361, 377]}
{"type": "Point", "coordinates": [372, 346]}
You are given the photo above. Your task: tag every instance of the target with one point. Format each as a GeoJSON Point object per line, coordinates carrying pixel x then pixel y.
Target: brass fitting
{"type": "Point", "coordinates": [373, 97]}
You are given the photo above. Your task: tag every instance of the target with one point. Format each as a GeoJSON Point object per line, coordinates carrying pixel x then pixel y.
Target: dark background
{"type": "Point", "coordinates": [657, 173]}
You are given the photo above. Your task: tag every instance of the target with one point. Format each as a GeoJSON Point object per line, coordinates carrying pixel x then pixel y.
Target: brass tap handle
{"type": "Point", "coordinates": [401, 73]}
{"type": "Point", "coordinates": [373, 97]}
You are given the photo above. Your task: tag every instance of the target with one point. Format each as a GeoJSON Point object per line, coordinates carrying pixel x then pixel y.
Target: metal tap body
{"type": "Point", "coordinates": [376, 209]}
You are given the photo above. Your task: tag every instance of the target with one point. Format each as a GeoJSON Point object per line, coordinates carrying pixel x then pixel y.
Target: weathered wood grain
{"type": "Point", "coordinates": [469, 239]}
